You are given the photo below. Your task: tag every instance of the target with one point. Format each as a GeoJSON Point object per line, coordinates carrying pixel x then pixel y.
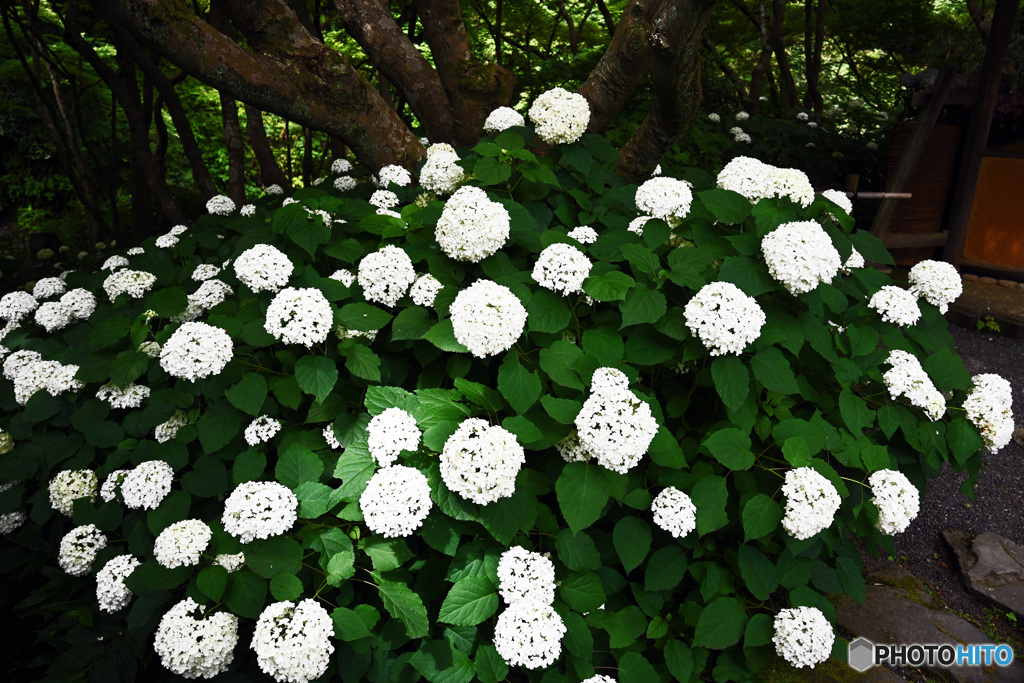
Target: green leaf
{"type": "Point", "coordinates": [748, 274]}
{"type": "Point", "coordinates": [582, 491]}
{"type": "Point", "coordinates": [472, 600]}
{"type": "Point", "coordinates": [249, 466]}
{"type": "Point", "coordinates": [632, 540]}
{"type": "Point", "coordinates": [411, 323]}
{"type": "Point", "coordinates": [246, 595]}
{"type": "Point", "coordinates": [361, 361]}
{"type": "Point", "coordinates": [710, 495]}
{"type": "Point", "coordinates": [760, 630]}
{"type": "Point", "coordinates": [963, 440]}
{"type": "Point", "coordinates": [582, 591]}
{"type": "Point", "coordinates": [761, 516]}
{"type": "Point", "coordinates": [217, 426]}
{"type": "Point", "coordinates": [563, 410]}
{"type": "Point", "coordinates": [168, 302]}
{"type": "Point", "coordinates": [297, 465]}
{"type": "Point", "coordinates": [548, 312]}
{"type": "Point", "coordinates": [721, 624]}
{"type": "Point", "coordinates": [612, 286]}
{"type": "Point", "coordinates": [796, 451]}
{"type": "Point", "coordinates": [286, 587]}
{"type": "Point", "coordinates": [538, 173]}
{"type": "Point", "coordinates": [405, 605]}
{"type": "Point", "coordinates": [490, 667]}
{"type": "Point", "coordinates": [207, 479]}
{"type": "Point", "coordinates": [442, 335]}
{"type": "Point", "coordinates": [725, 205]}
{"type": "Point", "coordinates": [273, 556]}
{"type": "Point", "coordinates": [946, 370]}
{"type": "Point", "coordinates": [212, 581]}
{"type": "Point", "coordinates": [316, 375]}
{"type": "Point", "coordinates": [773, 371]}
{"type": "Point", "coordinates": [127, 367]}
{"type": "Point", "coordinates": [641, 258]}
{"type": "Point", "coordinates": [363, 317]}
{"type": "Point", "coordinates": [666, 569]}
{"type": "Point", "coordinates": [875, 457]}
{"type": "Point", "coordinates": [758, 572]}
{"type": "Point", "coordinates": [558, 361]}
{"type": "Point", "coordinates": [347, 625]}
{"type": "Point", "coordinates": [870, 247]}
{"type": "Point", "coordinates": [634, 668]}
{"type": "Point", "coordinates": [249, 394]}
{"type": "Point", "coordinates": [481, 394]}
{"type": "Point", "coordinates": [855, 411]}
{"type": "Point", "coordinates": [679, 660]}
{"type": "Point", "coordinates": [386, 554]}
{"type": "Point", "coordinates": [605, 346]}
{"type": "Point", "coordinates": [491, 171]}
{"type": "Point", "coordinates": [731, 380]}
{"type": "Point", "coordinates": [379, 399]}
{"type": "Point", "coordinates": [642, 305]}
{"type": "Point", "coordinates": [354, 468]}
{"type": "Point", "coordinates": [577, 551]}
{"type": "Point", "coordinates": [315, 499]}
{"type": "Point", "coordinates": [304, 230]}
{"type": "Point", "coordinates": [520, 387]}
{"type": "Point", "coordinates": [731, 447]}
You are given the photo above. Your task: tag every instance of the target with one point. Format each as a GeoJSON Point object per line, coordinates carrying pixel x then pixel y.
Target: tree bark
{"type": "Point", "coordinates": [814, 37]}
{"type": "Point", "coordinates": [235, 147]}
{"type": "Point", "coordinates": [777, 40]}
{"type": "Point", "coordinates": [270, 171]}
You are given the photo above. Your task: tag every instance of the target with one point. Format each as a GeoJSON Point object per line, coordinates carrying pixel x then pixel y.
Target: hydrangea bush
{"type": "Point", "coordinates": [528, 423]}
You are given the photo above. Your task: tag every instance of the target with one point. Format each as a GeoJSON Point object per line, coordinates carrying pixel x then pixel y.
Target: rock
{"type": "Point", "coordinates": [986, 280]}
{"type": "Point", "coordinates": [1008, 283]}
{"type": "Point", "coordinates": [897, 609]}
{"type": "Point", "coordinates": [969, 277]}
{"type": "Point", "coordinates": [991, 566]}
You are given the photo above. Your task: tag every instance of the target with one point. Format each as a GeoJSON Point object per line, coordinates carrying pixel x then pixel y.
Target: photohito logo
{"type": "Point", "coordinates": [863, 654]}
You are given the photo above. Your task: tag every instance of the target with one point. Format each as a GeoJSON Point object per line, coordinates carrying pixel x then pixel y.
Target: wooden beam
{"type": "Point", "coordinates": [1003, 25]}
{"type": "Point", "coordinates": [914, 239]}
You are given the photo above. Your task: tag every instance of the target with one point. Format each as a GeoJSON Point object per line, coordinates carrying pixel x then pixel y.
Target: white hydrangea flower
{"type": "Point", "coordinates": [248, 210]}
{"type": "Point", "coordinates": [150, 348]}
{"type": "Point", "coordinates": [114, 262]}
{"type": "Point", "coordinates": [571, 449]}
{"type": "Point", "coordinates": [502, 118]}
{"type": "Point", "coordinates": [292, 641]}
{"type": "Point", "coordinates": [738, 135]}
{"type": "Point", "coordinates": [471, 226]}
{"type": "Point", "coordinates": [896, 306]}
{"type": "Point", "coordinates": [803, 636]}
{"type": "Point", "coordinates": [12, 521]}
{"type": "Point", "coordinates": [989, 407]}
{"type": "Point", "coordinates": [936, 281]}
{"type": "Point", "coordinates": [18, 361]}
{"type": "Point", "coordinates": [907, 378]}
{"type": "Point", "coordinates": [525, 575]}
{"type": "Point", "coordinates": [220, 205]}
{"type": "Point", "coordinates": [209, 294]}
{"type": "Point", "coordinates": [614, 425]}
{"type": "Point", "coordinates": [6, 446]}
{"type": "Point", "coordinates": [195, 351]}
{"type": "Point", "coordinates": [204, 271]}
{"type": "Point", "coordinates": [742, 116]}
{"type": "Point", "coordinates": [232, 563]}
{"type": "Point", "coordinates": [261, 430]}
{"type": "Point", "coordinates": [134, 283]}
{"type": "Point", "coordinates": [480, 461]}
{"type": "Point", "coordinates": [441, 172]}
{"type": "Point", "coordinates": [559, 116]}
{"type": "Point", "coordinates": [147, 485]}
{"type": "Point", "coordinates": [856, 260]}
{"type": "Point", "coordinates": [674, 512]}
{"type": "Point", "coordinates": [16, 305]}
{"type": "Point", "coordinates": [898, 500]}
{"type": "Point", "coordinates": [165, 241]}
{"type": "Point", "coordinates": [584, 234]}
{"type": "Point", "coordinates": [562, 268]}
{"type": "Point", "coordinates": [393, 175]}
{"type": "Point", "coordinates": [665, 198]}
{"type": "Point", "coordinates": [344, 276]}
{"type": "Point", "coordinates": [811, 502]}
{"type": "Point", "coordinates": [300, 316]}
{"type": "Point", "coordinates": [344, 183]}
{"type": "Point", "coordinates": [724, 318]}
{"type": "Point", "coordinates": [111, 593]}
{"type": "Point", "coordinates": [182, 544]}
{"type": "Point", "coordinates": [178, 230]}
{"type": "Point", "coordinates": [330, 438]}
{"type": "Point", "coordinates": [839, 198]}
{"type": "Point", "coordinates": [600, 678]}
{"type": "Point", "coordinates": [110, 485]}
{"type": "Point", "coordinates": [487, 318]}
{"type": "Point", "coordinates": [529, 634]}
{"type": "Point", "coordinates": [390, 433]}
{"type": "Point", "coordinates": [78, 549]}
{"type": "Point", "coordinates": [385, 275]}
{"type": "Point", "coordinates": [263, 267]}
{"type": "Point", "coordinates": [800, 255]}
{"type": "Point", "coordinates": [425, 290]}
{"type": "Point", "coordinates": [259, 509]}
{"type": "Point", "coordinates": [384, 199]}
{"type": "Point", "coordinates": [130, 396]}
{"type": "Point", "coordinates": [792, 183]}
{"type": "Point", "coordinates": [747, 176]}
{"type": "Point", "coordinates": [67, 485]}
{"type": "Point", "coordinates": [53, 315]}
{"type": "Point", "coordinates": [396, 501]}
{"type": "Point", "coordinates": [80, 302]}
{"type": "Point", "coordinates": [340, 166]}
{"type": "Point", "coordinates": [196, 647]}
{"type": "Point", "coordinates": [47, 287]}
{"type": "Point", "coordinates": [136, 251]}
{"type": "Point", "coordinates": [169, 429]}
{"type": "Point", "coordinates": [714, 118]}
{"type": "Point", "coordinates": [50, 375]}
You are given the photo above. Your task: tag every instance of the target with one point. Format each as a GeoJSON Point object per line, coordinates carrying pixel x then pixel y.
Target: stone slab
{"type": "Point", "coordinates": [991, 567]}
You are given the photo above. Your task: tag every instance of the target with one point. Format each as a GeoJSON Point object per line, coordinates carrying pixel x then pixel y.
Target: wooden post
{"type": "Point", "coordinates": [1003, 23]}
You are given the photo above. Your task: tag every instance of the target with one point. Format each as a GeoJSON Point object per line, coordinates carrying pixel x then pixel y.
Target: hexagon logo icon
{"type": "Point", "coordinates": [862, 654]}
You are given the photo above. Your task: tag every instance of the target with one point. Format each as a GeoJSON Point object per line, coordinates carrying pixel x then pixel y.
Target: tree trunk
{"type": "Point", "coordinates": [814, 38]}
{"type": "Point", "coordinates": [270, 172]}
{"type": "Point", "coordinates": [236, 149]}
{"type": "Point", "coordinates": [777, 40]}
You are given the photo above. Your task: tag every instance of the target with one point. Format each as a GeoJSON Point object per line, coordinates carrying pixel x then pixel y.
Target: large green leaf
{"type": "Point", "coordinates": [731, 447]}
{"type": "Point", "coordinates": [666, 569]}
{"type": "Point", "coordinates": [611, 286]}
{"type": "Point", "coordinates": [582, 591]}
{"type": "Point", "coordinates": [732, 382]}
{"type": "Point", "coordinates": [632, 540]}
{"type": "Point", "coordinates": [347, 625]}
{"type": "Point", "coordinates": [634, 668]}
{"type": "Point", "coordinates": [470, 601]}
{"type": "Point", "coordinates": [520, 387]}
{"type": "Point", "coordinates": [721, 624]}
{"type": "Point", "coordinates": [582, 491]}
{"type": "Point", "coordinates": [758, 572]}
{"type": "Point", "coordinates": [642, 305]}
{"type": "Point", "coordinates": [298, 465]}
{"type": "Point", "coordinates": [361, 361]}
{"type": "Point", "coordinates": [725, 205]}
{"type": "Point", "coordinates": [249, 394]}
{"type": "Point", "coordinates": [405, 605]}
{"type": "Point", "coordinates": [364, 317]}
{"type": "Point", "coordinates": [558, 361]}
{"type": "Point", "coordinates": [773, 371]}
{"type": "Point", "coordinates": [316, 375]}
{"type": "Point", "coordinates": [710, 495]}
{"type": "Point", "coordinates": [944, 368]}
{"type": "Point", "coordinates": [761, 515]}
{"type": "Point", "coordinates": [548, 312]}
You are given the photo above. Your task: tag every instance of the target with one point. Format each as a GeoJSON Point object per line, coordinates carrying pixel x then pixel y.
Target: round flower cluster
{"type": "Point", "coordinates": [803, 636]}
{"type": "Point", "coordinates": [166, 431]}
{"type": "Point", "coordinates": [263, 267]}
{"type": "Point", "coordinates": [395, 501]}
{"type": "Point", "coordinates": [18, 361]}
{"type": "Point", "coordinates": [599, 678]}
{"type": "Point", "coordinates": [110, 485]}
{"type": "Point", "coordinates": [299, 316]}
{"type": "Point", "coordinates": [839, 198]}
{"type": "Point", "coordinates": [16, 305]}
{"type": "Point", "coordinates": [209, 294]}
{"type": "Point", "coordinates": [614, 425]}
{"type": "Point", "coordinates": [390, 433]}
{"type": "Point", "coordinates": [739, 135]}
{"type": "Point", "coordinates": [344, 276]}
{"type": "Point", "coordinates": [136, 251]}
{"type": "Point", "coordinates": [80, 302]}
{"type": "Point", "coordinates": [562, 268]}
{"type": "Point", "coordinates": [47, 287]}
{"type": "Point", "coordinates": [747, 176]}
{"type": "Point", "coordinates": [856, 260]}
{"type": "Point", "coordinates": [150, 348]}
{"type": "Point", "coordinates": [989, 407]}
{"type": "Point", "coordinates": [441, 172]}
{"type": "Point", "coordinates": [792, 183]}
{"type": "Point", "coordinates": [559, 116]}
{"type": "Point", "coordinates": [665, 198]}
{"type": "Point", "coordinates": [68, 485]}
{"type": "Point", "coordinates": [529, 634]}
{"type": "Point", "coordinates": [53, 315]}
{"type": "Point", "coordinates": [487, 318]}
{"type": "Point", "coordinates": [425, 289]}
{"type": "Point", "coordinates": [78, 549]}
{"type": "Point", "coordinates": [134, 283]}
{"type": "Point", "coordinates": [896, 306]}
{"type": "Point", "coordinates": [259, 509]}
{"type": "Point", "coordinates": [898, 500]}
{"type": "Point", "coordinates": [908, 378]}
{"type": "Point", "coordinates": [50, 375]}
{"type": "Point", "coordinates": [937, 281]}
{"type": "Point", "coordinates": [571, 449]}
{"type": "Point", "coordinates": [220, 205]}
{"type": "Point", "coordinates": [111, 593]}
{"type": "Point", "coordinates": [130, 396]}
{"type": "Point", "coordinates": [248, 210]}
{"type": "Point", "coordinates": [194, 648]}
{"type": "Point", "coordinates": [584, 234]}
{"type": "Point", "coordinates": [196, 350]}
{"type": "Point", "coordinates": [393, 175]}
{"type": "Point", "coordinates": [147, 485]}
{"type": "Point", "coordinates": [724, 318]}
{"type": "Point", "coordinates": [385, 275]}
{"type": "Point", "coordinates": [115, 262]}
{"type": "Point", "coordinates": [471, 226]}
{"type": "Point", "coordinates": [502, 118]}
{"type": "Point", "coordinates": [262, 429]}
{"type": "Point", "coordinates": [674, 512]}
{"type": "Point", "coordinates": [232, 563]}
{"type": "Point", "coordinates": [525, 575]}
{"type": "Point", "coordinates": [742, 116]}
{"type": "Point", "coordinates": [800, 255]}
{"type": "Point", "coordinates": [292, 641]}
{"type": "Point", "coordinates": [344, 183]}
{"type": "Point", "coordinates": [384, 199]}
{"type": "Point", "coordinates": [480, 461]}
{"type": "Point", "coordinates": [714, 118]}
{"type": "Point", "coordinates": [166, 241]}
{"type": "Point", "coordinates": [340, 166]}
{"type": "Point", "coordinates": [182, 544]}
{"type": "Point", "coordinates": [811, 502]}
